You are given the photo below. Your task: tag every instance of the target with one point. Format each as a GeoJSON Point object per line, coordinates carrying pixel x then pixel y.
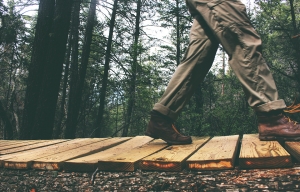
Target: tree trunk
{"type": "Point", "coordinates": [58, 129]}
{"type": "Point", "coordinates": [36, 68]}
{"type": "Point", "coordinates": [99, 121]}
{"type": "Point", "coordinates": [296, 43]}
{"type": "Point", "coordinates": [8, 129]}
{"type": "Point", "coordinates": [199, 107]}
{"type": "Point", "coordinates": [223, 72]}
{"type": "Point", "coordinates": [71, 126]}
{"type": "Point", "coordinates": [73, 97]}
{"type": "Point", "coordinates": [132, 88]}
{"type": "Point", "coordinates": [177, 34]}
{"type": "Point", "coordinates": [44, 119]}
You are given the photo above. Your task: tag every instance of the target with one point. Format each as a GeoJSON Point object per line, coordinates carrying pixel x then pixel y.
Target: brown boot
{"type": "Point", "coordinates": [277, 127]}
{"type": "Point", "coordinates": [162, 127]}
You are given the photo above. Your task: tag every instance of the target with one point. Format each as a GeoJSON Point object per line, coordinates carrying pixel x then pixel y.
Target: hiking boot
{"type": "Point", "coordinates": [162, 127]}
{"type": "Point", "coordinates": [278, 127]}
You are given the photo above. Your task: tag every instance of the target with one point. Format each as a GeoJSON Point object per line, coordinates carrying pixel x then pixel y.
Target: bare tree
{"type": "Point", "coordinates": [99, 120]}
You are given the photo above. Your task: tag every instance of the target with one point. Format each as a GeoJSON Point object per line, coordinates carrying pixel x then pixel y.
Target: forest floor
{"type": "Point", "coordinates": [286, 179]}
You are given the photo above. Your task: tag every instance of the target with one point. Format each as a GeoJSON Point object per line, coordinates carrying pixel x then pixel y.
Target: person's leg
{"type": "Point", "coordinates": [232, 27]}
{"type": "Point", "coordinates": [192, 70]}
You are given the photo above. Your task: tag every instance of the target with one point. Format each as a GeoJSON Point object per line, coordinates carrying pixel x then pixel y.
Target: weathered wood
{"type": "Point", "coordinates": [55, 162]}
{"type": "Point", "coordinates": [217, 153]}
{"type": "Point", "coordinates": [23, 160]}
{"type": "Point", "coordinates": [12, 142]}
{"type": "Point", "coordinates": [262, 154]}
{"type": "Point", "coordinates": [31, 146]}
{"type": "Point", "coordinates": [128, 161]}
{"type": "Point", "coordinates": [293, 148]}
{"type": "Point", "coordinates": [172, 158]}
{"type": "Point", "coordinates": [109, 155]}
{"type": "Point", "coordinates": [89, 163]}
{"type": "Point", "coordinates": [19, 144]}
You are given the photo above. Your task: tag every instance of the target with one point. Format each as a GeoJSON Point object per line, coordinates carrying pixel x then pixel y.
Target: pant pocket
{"type": "Point", "coordinates": [228, 12]}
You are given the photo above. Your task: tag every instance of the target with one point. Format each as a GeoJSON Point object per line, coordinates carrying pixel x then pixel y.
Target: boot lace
{"type": "Point", "coordinates": [292, 109]}
{"type": "Point", "coordinates": [290, 120]}
{"type": "Point", "coordinates": [174, 128]}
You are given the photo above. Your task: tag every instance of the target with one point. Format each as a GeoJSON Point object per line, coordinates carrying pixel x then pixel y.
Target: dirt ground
{"type": "Point", "coordinates": [287, 179]}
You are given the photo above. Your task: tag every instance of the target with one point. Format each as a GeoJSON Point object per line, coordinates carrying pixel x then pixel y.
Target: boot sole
{"type": "Point", "coordinates": [176, 143]}
{"type": "Point", "coordinates": [278, 138]}
{"type": "Point", "coordinates": [151, 135]}
{"type": "Point", "coordinates": [169, 142]}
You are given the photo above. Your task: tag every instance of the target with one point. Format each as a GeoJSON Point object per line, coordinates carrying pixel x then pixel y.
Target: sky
{"type": "Point", "coordinates": [157, 32]}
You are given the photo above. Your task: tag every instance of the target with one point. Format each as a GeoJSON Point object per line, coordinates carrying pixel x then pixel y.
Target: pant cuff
{"type": "Point", "coordinates": [165, 111]}
{"type": "Point", "coordinates": [270, 106]}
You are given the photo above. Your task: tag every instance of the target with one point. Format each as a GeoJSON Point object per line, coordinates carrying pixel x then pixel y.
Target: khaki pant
{"type": "Point", "coordinates": [224, 22]}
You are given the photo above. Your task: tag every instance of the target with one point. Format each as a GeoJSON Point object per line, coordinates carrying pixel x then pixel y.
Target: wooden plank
{"type": "Point", "coordinates": [55, 162]}
{"type": "Point", "coordinates": [172, 158]}
{"type": "Point", "coordinates": [262, 154]}
{"type": "Point", "coordinates": [128, 161]}
{"type": "Point", "coordinates": [89, 163]}
{"type": "Point", "coordinates": [23, 160]}
{"type": "Point", "coordinates": [293, 148]}
{"type": "Point", "coordinates": [28, 152]}
{"type": "Point", "coordinates": [31, 146]}
{"type": "Point", "coordinates": [3, 142]}
{"type": "Point", "coordinates": [12, 142]}
{"type": "Point", "coordinates": [218, 153]}
{"type": "Point", "coordinates": [20, 144]}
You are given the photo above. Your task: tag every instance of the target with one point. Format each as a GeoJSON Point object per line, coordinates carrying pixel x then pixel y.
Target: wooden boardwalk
{"type": "Point", "coordinates": [142, 152]}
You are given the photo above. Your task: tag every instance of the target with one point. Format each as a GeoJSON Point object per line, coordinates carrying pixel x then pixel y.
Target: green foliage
{"type": "Point", "coordinates": [15, 50]}
{"type": "Point", "coordinates": [218, 106]}
{"type": "Point", "coordinates": [219, 114]}
{"type": "Point", "coordinates": [277, 27]}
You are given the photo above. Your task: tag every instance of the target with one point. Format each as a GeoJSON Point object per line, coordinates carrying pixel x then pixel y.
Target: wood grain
{"type": "Point", "coordinates": [293, 148]}
{"type": "Point", "coordinates": [262, 154]}
{"type": "Point", "coordinates": [12, 142]}
{"type": "Point", "coordinates": [218, 153]}
{"type": "Point", "coordinates": [31, 146]}
{"type": "Point", "coordinates": [19, 144]}
{"type": "Point", "coordinates": [128, 161]}
{"type": "Point", "coordinates": [23, 160]}
{"type": "Point", "coordinates": [173, 157]}
{"type": "Point", "coordinates": [56, 161]}
{"type": "Point", "coordinates": [90, 162]}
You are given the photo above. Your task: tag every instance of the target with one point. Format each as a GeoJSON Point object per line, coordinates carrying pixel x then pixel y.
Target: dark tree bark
{"type": "Point", "coordinates": [296, 45]}
{"type": "Point", "coordinates": [36, 68]}
{"type": "Point", "coordinates": [8, 129]}
{"type": "Point", "coordinates": [296, 41]}
{"type": "Point", "coordinates": [223, 72]}
{"type": "Point", "coordinates": [177, 34]}
{"type": "Point", "coordinates": [71, 127]}
{"type": "Point", "coordinates": [131, 101]}
{"type": "Point", "coordinates": [199, 107]}
{"type": "Point", "coordinates": [58, 129]}
{"type": "Point", "coordinates": [99, 120]}
{"type": "Point", "coordinates": [71, 122]}
{"type": "Point", "coordinates": [44, 118]}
